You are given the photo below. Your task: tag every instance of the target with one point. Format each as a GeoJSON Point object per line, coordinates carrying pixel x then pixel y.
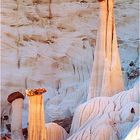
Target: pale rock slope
{"type": "Point", "coordinates": [57, 53]}
{"type": "Point", "coordinates": [108, 118]}
{"type": "Point", "coordinates": [134, 134]}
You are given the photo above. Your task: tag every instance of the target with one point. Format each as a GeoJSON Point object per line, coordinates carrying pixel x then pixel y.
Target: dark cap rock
{"type": "Point", "coordinates": [38, 91]}
{"type": "Point", "coordinates": [100, 0]}
{"type": "Point", "coordinates": [14, 95]}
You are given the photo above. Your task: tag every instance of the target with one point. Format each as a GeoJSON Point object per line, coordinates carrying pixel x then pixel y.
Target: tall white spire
{"type": "Point", "coordinates": [106, 77]}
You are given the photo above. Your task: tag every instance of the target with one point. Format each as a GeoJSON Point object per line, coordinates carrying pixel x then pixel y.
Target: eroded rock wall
{"type": "Point", "coordinates": [57, 53]}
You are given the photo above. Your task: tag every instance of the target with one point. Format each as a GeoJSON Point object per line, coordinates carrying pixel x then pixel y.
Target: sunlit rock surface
{"type": "Point", "coordinates": [55, 132]}
{"type": "Point", "coordinates": [108, 118]}
{"type": "Point", "coordinates": [106, 68]}
{"type": "Point", "coordinates": [57, 53]}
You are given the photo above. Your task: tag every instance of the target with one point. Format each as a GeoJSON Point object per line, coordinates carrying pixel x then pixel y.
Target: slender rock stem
{"type": "Point", "coordinates": [16, 99]}
{"type": "Point", "coordinates": [37, 130]}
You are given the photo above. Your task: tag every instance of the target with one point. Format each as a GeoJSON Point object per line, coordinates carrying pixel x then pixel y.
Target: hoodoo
{"type": "Point", "coordinates": [16, 99]}
{"type": "Point", "coordinates": [106, 78]}
{"type": "Point", "coordinates": [36, 130]}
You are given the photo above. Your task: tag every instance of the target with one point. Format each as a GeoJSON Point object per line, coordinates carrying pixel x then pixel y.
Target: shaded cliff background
{"type": "Point", "coordinates": [56, 50]}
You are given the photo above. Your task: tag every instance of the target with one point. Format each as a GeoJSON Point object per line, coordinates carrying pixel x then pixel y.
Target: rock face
{"type": "Point", "coordinates": [108, 118]}
{"type": "Point", "coordinates": [57, 53]}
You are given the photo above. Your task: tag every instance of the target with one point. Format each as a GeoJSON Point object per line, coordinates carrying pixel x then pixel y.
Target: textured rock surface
{"type": "Point", "coordinates": [57, 53]}
{"type": "Point", "coordinates": [16, 122]}
{"type": "Point", "coordinates": [108, 118]}
{"type": "Point", "coordinates": [36, 116]}
{"type": "Point", "coordinates": [55, 132]}
{"type": "Point", "coordinates": [106, 65]}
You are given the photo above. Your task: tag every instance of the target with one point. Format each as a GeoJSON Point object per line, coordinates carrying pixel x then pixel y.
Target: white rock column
{"type": "Point", "coordinates": [16, 99]}
{"type": "Point", "coordinates": [106, 77]}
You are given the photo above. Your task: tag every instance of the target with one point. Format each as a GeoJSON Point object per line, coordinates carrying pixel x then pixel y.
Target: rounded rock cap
{"type": "Point", "coordinates": [14, 95]}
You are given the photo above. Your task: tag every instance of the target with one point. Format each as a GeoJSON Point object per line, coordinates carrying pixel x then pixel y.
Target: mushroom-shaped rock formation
{"type": "Point", "coordinates": [92, 115]}
{"type": "Point", "coordinates": [106, 78]}
{"type": "Point", "coordinates": [16, 99]}
{"type": "Point", "coordinates": [37, 129]}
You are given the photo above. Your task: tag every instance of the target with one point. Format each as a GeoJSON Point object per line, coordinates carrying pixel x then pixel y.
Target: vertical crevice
{"type": "Point", "coordinates": [26, 83]}
{"type": "Point", "coordinates": [107, 4]}
{"type": "Point", "coordinates": [73, 68]}
{"type": "Point", "coordinates": [18, 41]}
{"type": "Point", "coordinates": [92, 54]}
{"type": "Point", "coordinates": [18, 63]}
{"type": "Point", "coordinates": [50, 10]}
{"type": "Point", "coordinates": [112, 40]}
{"type": "Point", "coordinates": [58, 87]}
{"type": "Point", "coordinates": [78, 73]}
